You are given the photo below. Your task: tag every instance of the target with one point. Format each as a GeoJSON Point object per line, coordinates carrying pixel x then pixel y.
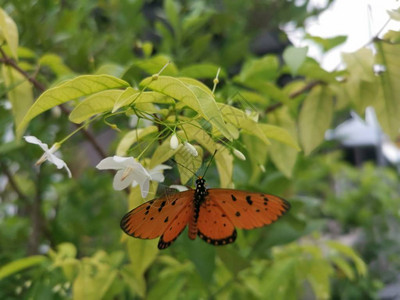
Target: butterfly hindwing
{"type": "Point", "coordinates": [176, 226]}
{"type": "Point", "coordinates": [153, 218]}
{"type": "Point", "coordinates": [214, 226]}
{"type": "Point", "coordinates": [248, 210]}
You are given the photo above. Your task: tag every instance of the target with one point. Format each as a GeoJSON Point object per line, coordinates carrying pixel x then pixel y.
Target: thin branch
{"type": "Point", "coordinates": [12, 182]}
{"type": "Point", "coordinates": [293, 95]}
{"type": "Point", "coordinates": [10, 62]}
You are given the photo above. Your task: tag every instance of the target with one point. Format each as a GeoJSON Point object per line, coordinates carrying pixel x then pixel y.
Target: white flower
{"type": "Point", "coordinates": [192, 150]}
{"type": "Point", "coordinates": [239, 154]}
{"type": "Point", "coordinates": [131, 172]}
{"type": "Point", "coordinates": [180, 188]}
{"type": "Point", "coordinates": [48, 153]}
{"type": "Point", "coordinates": [174, 143]}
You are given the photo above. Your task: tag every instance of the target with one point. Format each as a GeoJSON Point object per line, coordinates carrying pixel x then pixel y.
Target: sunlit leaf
{"type": "Point", "coordinates": [19, 92]}
{"type": "Point", "coordinates": [20, 264]}
{"type": "Point", "coordinates": [132, 137]}
{"type": "Point", "coordinates": [360, 64]}
{"type": "Point", "coordinates": [94, 104]}
{"type": "Point", "coordinates": [9, 32]}
{"type": "Point", "coordinates": [315, 118]}
{"type": "Point", "coordinates": [80, 86]}
{"type": "Point", "coordinates": [388, 106]}
{"type": "Point", "coordinates": [294, 58]}
{"type": "Point", "coordinates": [55, 63]}
{"type": "Point", "coordinates": [327, 43]}
{"type": "Point", "coordinates": [201, 71]}
{"type": "Point", "coordinates": [350, 253]}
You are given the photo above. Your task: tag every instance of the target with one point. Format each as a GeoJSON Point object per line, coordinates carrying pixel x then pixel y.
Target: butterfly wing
{"type": "Point", "coordinates": [175, 228]}
{"type": "Point", "coordinates": [214, 225]}
{"type": "Point", "coordinates": [248, 210]}
{"type": "Point", "coordinates": [153, 218]}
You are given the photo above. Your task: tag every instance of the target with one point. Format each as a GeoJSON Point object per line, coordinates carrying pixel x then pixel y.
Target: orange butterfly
{"type": "Point", "coordinates": [212, 214]}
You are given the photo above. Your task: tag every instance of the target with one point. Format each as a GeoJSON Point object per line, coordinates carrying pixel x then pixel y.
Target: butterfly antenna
{"type": "Point", "coordinates": [209, 163]}
{"type": "Point", "coordinates": [184, 167]}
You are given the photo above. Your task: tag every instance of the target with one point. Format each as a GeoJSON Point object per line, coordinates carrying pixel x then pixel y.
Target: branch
{"type": "Point", "coordinates": [305, 88]}
{"type": "Point", "coordinates": [12, 182]}
{"type": "Point", "coordinates": [10, 62]}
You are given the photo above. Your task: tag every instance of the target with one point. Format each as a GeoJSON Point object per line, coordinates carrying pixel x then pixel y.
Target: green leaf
{"type": "Point", "coordinates": [80, 86]}
{"type": "Point", "coordinates": [294, 58]}
{"type": "Point", "coordinates": [187, 162]}
{"type": "Point", "coordinates": [223, 158]}
{"type": "Point", "coordinates": [154, 64]}
{"type": "Point", "coordinates": [315, 117]}
{"type": "Point", "coordinates": [142, 254]}
{"type": "Point", "coordinates": [201, 71]}
{"type": "Point", "coordinates": [279, 134]}
{"type": "Point", "coordinates": [136, 284]}
{"type": "Point", "coordinates": [344, 266]}
{"type": "Point", "coordinates": [388, 105]}
{"type": "Point", "coordinates": [360, 64]}
{"type": "Point", "coordinates": [312, 69]}
{"type": "Point", "coordinates": [19, 92]}
{"type": "Point", "coordinates": [282, 154]}
{"type": "Point", "coordinates": [203, 257]}
{"type": "Point", "coordinates": [20, 264]}
{"type": "Point", "coordinates": [94, 104]}
{"type": "Point", "coordinates": [265, 68]}
{"type": "Point", "coordinates": [163, 153]}
{"type": "Point", "coordinates": [232, 260]}
{"type": "Point", "coordinates": [319, 272]}
{"type": "Point", "coordinates": [167, 288]}
{"type": "Point", "coordinates": [132, 137]}
{"type": "Point", "coordinates": [350, 253]}
{"type": "Point", "coordinates": [55, 63]}
{"type": "Point", "coordinates": [239, 119]}
{"type": "Point", "coordinates": [327, 43]}
{"type": "Point", "coordinates": [191, 95]}
{"type": "Point", "coordinates": [9, 33]}
{"type": "Point", "coordinates": [171, 9]}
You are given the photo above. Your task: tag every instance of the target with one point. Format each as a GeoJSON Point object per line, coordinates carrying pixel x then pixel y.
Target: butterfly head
{"type": "Point", "coordinates": [200, 181]}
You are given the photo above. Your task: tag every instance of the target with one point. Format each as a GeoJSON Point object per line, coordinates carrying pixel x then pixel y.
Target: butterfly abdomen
{"type": "Point", "coordinates": [199, 196]}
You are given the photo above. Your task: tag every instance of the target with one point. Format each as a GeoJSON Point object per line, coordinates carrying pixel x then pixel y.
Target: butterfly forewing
{"type": "Point", "coordinates": [248, 210]}
{"type": "Point", "coordinates": [152, 218]}
{"type": "Point", "coordinates": [214, 225]}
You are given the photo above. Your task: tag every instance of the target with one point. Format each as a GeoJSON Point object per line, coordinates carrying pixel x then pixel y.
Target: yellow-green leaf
{"type": "Point", "coordinates": [201, 71]}
{"type": "Point", "coordinates": [315, 117]}
{"type": "Point", "coordinates": [239, 119]}
{"type": "Point", "coordinates": [132, 137]}
{"type": "Point", "coordinates": [9, 32]}
{"type": "Point", "coordinates": [94, 104]}
{"type": "Point", "coordinates": [279, 134]}
{"type": "Point", "coordinates": [80, 86]}
{"type": "Point", "coordinates": [388, 104]}
{"type": "Point", "coordinates": [360, 64]}
{"type": "Point", "coordinates": [19, 92]}
{"type": "Point", "coordinates": [55, 63]}
{"type": "Point", "coordinates": [294, 57]}
{"type": "Point", "coordinates": [191, 95]}
{"type": "Point", "coordinates": [187, 162]}
{"type": "Point", "coordinates": [20, 264]}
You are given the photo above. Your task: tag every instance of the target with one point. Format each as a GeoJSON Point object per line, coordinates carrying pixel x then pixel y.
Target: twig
{"type": "Point", "coordinates": [306, 88]}
{"type": "Point", "coordinates": [12, 182]}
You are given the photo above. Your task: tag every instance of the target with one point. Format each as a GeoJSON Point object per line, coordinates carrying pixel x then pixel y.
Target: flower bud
{"type": "Point", "coordinates": [192, 150]}
{"type": "Point", "coordinates": [239, 154]}
{"type": "Point", "coordinates": [174, 143]}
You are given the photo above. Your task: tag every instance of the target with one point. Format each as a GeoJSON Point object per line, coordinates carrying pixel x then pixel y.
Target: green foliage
{"type": "Point", "coordinates": [61, 239]}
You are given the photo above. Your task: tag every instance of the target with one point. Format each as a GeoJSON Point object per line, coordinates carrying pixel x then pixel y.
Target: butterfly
{"type": "Point", "coordinates": [212, 214]}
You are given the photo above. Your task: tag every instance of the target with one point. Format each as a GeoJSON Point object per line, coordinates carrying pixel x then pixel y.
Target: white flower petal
{"type": "Point", "coordinates": [174, 142]}
{"type": "Point", "coordinates": [144, 186]}
{"type": "Point", "coordinates": [180, 188]}
{"type": "Point", "coordinates": [157, 177]}
{"type": "Point", "coordinates": [119, 183]}
{"type": "Point", "coordinates": [239, 154]}
{"type": "Point", "coordinates": [160, 167]}
{"type": "Point", "coordinates": [109, 163]}
{"type": "Point", "coordinates": [192, 150]}
{"type": "Point", "coordinates": [34, 140]}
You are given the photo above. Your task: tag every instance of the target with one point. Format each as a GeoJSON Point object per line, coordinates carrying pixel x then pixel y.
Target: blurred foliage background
{"type": "Point", "coordinates": [60, 238]}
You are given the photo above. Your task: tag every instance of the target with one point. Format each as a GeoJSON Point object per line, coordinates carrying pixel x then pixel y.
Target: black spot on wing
{"type": "Point", "coordinates": [249, 201]}
{"type": "Point", "coordinates": [233, 198]}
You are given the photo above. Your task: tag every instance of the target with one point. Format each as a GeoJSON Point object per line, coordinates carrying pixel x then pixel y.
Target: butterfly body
{"type": "Point", "coordinates": [211, 214]}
